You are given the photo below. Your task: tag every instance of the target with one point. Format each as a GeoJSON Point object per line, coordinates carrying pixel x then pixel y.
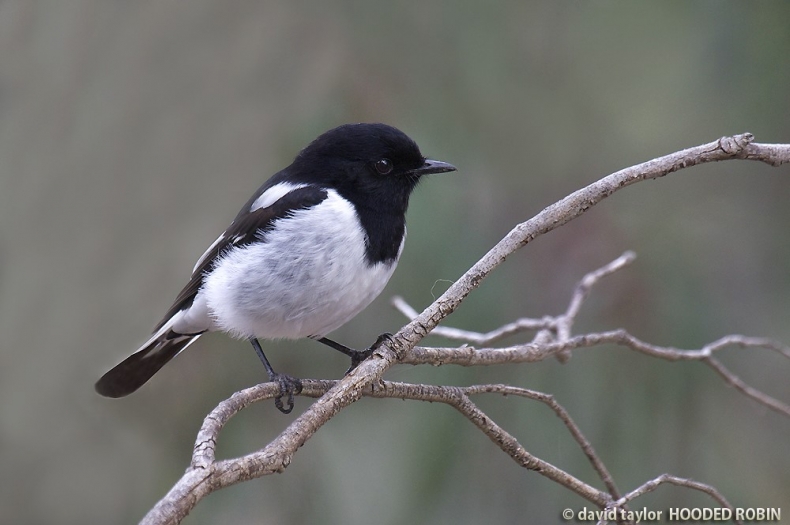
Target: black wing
{"type": "Point", "coordinates": [246, 228]}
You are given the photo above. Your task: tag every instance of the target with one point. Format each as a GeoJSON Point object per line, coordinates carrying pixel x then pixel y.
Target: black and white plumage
{"type": "Point", "coordinates": [309, 250]}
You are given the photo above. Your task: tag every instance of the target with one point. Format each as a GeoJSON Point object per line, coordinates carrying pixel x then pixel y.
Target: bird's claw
{"type": "Point", "coordinates": [289, 386]}
{"type": "Point", "coordinates": [360, 355]}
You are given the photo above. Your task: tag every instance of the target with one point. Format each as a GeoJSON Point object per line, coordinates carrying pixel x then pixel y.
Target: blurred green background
{"type": "Point", "coordinates": [132, 132]}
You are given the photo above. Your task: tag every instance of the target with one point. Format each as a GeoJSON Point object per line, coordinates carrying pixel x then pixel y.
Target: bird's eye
{"type": "Point", "coordinates": [383, 166]}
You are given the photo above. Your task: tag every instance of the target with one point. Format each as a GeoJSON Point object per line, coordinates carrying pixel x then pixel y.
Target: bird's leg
{"type": "Point", "coordinates": [289, 385]}
{"type": "Point", "coordinates": [357, 356]}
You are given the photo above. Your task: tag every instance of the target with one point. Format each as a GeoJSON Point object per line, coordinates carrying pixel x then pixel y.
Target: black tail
{"type": "Point", "coordinates": [135, 370]}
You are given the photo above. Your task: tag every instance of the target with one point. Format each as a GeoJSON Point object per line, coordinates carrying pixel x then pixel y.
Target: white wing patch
{"type": "Point", "coordinates": [273, 194]}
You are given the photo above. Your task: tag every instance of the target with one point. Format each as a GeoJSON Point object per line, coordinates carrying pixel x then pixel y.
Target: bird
{"type": "Point", "coordinates": [312, 247]}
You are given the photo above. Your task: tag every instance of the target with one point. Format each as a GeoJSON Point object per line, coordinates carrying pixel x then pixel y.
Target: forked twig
{"type": "Point", "coordinates": [562, 341]}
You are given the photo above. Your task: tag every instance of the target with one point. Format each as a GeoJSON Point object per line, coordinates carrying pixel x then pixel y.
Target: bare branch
{"type": "Point", "coordinates": [753, 393]}
{"type": "Point", "coordinates": [560, 324]}
{"type": "Point", "coordinates": [653, 484]}
{"type": "Point", "coordinates": [206, 476]}
{"type": "Point", "coordinates": [565, 322]}
{"type": "Point", "coordinates": [558, 409]}
{"type": "Point", "coordinates": [532, 352]}
{"type": "Point", "coordinates": [572, 206]}
{"type": "Point", "coordinates": [457, 334]}
{"type": "Point", "coordinates": [562, 342]}
{"type": "Point", "coordinates": [511, 446]}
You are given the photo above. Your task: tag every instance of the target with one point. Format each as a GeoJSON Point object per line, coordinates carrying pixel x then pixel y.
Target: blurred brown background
{"type": "Point", "coordinates": [131, 133]}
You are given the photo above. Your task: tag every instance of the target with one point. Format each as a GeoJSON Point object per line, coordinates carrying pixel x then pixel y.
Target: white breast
{"type": "Point", "coordinates": [307, 278]}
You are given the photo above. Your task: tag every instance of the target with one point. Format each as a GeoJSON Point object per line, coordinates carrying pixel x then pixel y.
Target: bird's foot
{"type": "Point", "coordinates": [357, 356]}
{"type": "Point", "coordinates": [289, 387]}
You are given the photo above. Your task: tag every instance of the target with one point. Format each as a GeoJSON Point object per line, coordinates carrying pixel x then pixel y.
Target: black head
{"type": "Point", "coordinates": [371, 164]}
{"type": "Point", "coordinates": [375, 167]}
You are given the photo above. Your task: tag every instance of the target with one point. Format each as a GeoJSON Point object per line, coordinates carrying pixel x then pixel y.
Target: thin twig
{"type": "Point", "coordinates": [532, 352]}
{"type": "Point", "coordinates": [565, 417]}
{"type": "Point", "coordinates": [457, 334]}
{"type": "Point", "coordinates": [561, 324]}
{"type": "Point", "coordinates": [735, 381]}
{"type": "Point", "coordinates": [565, 322]}
{"type": "Point", "coordinates": [653, 484]}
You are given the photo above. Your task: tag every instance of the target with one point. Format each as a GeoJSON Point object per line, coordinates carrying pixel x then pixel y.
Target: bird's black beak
{"type": "Point", "coordinates": [432, 166]}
